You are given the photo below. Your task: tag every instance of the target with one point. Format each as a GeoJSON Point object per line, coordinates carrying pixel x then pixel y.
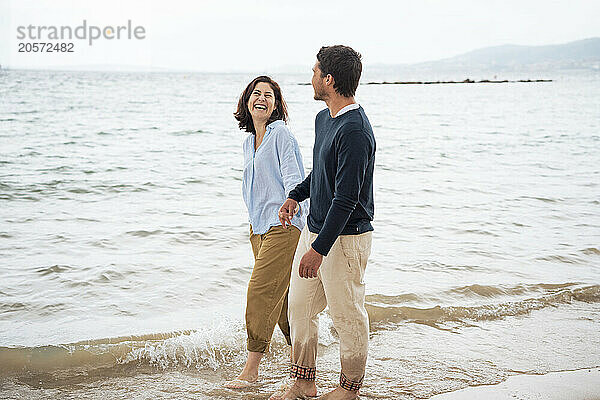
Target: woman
{"type": "Point", "coordinates": [272, 168]}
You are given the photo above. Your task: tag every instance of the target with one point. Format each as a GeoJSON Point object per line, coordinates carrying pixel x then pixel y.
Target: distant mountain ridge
{"type": "Point", "coordinates": [581, 54]}
{"type": "Point", "coordinates": [525, 61]}
{"type": "Point", "coordinates": [578, 52]}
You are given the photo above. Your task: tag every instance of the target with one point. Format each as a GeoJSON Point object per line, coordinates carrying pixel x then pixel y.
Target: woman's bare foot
{"type": "Point", "coordinates": [249, 374]}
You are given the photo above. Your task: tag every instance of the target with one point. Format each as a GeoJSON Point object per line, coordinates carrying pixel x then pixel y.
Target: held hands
{"type": "Point", "coordinates": [287, 211]}
{"type": "Point", "coordinates": [310, 263]}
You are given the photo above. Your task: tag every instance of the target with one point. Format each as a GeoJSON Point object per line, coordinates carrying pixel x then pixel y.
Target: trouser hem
{"type": "Point", "coordinates": [300, 372]}
{"type": "Point", "coordinates": [257, 346]}
{"type": "Point", "coordinates": [350, 385]}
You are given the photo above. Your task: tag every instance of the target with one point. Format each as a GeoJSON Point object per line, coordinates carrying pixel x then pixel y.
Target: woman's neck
{"type": "Point", "coordinates": [260, 129]}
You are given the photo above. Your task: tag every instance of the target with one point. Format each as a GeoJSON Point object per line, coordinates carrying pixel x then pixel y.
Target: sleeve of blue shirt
{"type": "Point", "coordinates": [354, 150]}
{"type": "Point", "coordinates": [290, 161]}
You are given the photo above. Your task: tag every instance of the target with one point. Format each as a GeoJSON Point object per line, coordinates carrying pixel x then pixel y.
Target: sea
{"type": "Point", "coordinates": [125, 257]}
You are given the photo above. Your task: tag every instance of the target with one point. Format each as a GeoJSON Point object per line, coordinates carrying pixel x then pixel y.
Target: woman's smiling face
{"type": "Point", "coordinates": [262, 102]}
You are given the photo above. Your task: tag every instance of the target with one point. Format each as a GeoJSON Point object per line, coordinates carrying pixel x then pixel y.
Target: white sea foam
{"type": "Point", "coordinates": [213, 347]}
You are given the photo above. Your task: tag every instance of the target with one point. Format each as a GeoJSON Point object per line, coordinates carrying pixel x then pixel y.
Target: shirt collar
{"type": "Point", "coordinates": [344, 110]}
{"type": "Point", "coordinates": [275, 124]}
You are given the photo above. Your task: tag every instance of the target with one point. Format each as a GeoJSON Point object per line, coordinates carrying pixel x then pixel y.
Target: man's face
{"type": "Point", "coordinates": [318, 83]}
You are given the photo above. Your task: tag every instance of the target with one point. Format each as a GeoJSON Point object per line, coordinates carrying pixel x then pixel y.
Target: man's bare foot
{"type": "Point", "coordinates": [339, 394]}
{"type": "Point", "coordinates": [300, 389]}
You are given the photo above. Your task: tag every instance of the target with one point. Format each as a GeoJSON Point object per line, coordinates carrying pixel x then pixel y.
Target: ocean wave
{"type": "Point", "coordinates": [120, 188]}
{"type": "Point", "coordinates": [144, 233]}
{"type": "Point", "coordinates": [591, 251]}
{"type": "Point", "coordinates": [474, 291]}
{"type": "Point", "coordinates": [567, 259]}
{"type": "Point", "coordinates": [211, 348]}
{"type": "Point", "coordinates": [222, 345]}
{"type": "Point", "coordinates": [507, 290]}
{"type": "Point", "coordinates": [554, 295]}
{"type": "Point", "coordinates": [60, 187]}
{"type": "Point", "coordinates": [54, 269]}
{"type": "Point", "coordinates": [187, 132]}
{"type": "Point", "coordinates": [183, 237]}
{"type": "Point", "coordinates": [208, 348]}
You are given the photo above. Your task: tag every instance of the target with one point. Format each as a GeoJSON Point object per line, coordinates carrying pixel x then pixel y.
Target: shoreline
{"type": "Point", "coordinates": [582, 384]}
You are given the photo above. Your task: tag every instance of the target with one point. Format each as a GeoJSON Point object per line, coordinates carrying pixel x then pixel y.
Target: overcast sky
{"type": "Point", "coordinates": [245, 35]}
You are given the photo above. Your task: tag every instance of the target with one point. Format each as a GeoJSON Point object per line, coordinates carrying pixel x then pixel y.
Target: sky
{"type": "Point", "coordinates": [246, 35]}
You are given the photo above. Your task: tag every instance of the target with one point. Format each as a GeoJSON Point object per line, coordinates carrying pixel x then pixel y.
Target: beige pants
{"type": "Point", "coordinates": [339, 285]}
{"type": "Point", "coordinates": [267, 297]}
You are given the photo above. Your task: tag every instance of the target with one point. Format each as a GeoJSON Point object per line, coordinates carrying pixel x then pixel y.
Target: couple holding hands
{"type": "Point", "coordinates": [307, 260]}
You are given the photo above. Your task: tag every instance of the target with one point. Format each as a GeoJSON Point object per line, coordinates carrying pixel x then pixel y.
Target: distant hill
{"type": "Point", "coordinates": [506, 60]}
{"type": "Point", "coordinates": [581, 54]}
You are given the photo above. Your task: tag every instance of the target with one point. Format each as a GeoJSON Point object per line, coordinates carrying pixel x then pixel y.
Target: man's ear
{"type": "Point", "coordinates": [329, 79]}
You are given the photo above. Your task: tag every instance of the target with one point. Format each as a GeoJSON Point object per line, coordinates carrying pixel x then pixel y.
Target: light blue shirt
{"type": "Point", "coordinates": [270, 173]}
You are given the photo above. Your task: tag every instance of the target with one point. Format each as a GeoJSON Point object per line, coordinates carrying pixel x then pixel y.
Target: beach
{"type": "Point", "coordinates": [124, 251]}
{"type": "Point", "coordinates": [566, 385]}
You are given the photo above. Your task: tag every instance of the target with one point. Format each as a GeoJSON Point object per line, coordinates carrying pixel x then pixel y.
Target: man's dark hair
{"type": "Point", "coordinates": [243, 115]}
{"type": "Point", "coordinates": [343, 63]}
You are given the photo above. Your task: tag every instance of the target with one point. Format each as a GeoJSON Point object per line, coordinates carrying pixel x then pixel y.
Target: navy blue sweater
{"type": "Point", "coordinates": [340, 185]}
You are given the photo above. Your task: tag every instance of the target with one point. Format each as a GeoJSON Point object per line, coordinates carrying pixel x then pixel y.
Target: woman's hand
{"type": "Point", "coordinates": [287, 211]}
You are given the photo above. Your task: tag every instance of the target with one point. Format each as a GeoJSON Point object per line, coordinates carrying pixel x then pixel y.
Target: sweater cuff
{"type": "Point", "coordinates": [320, 247]}
{"type": "Point", "coordinates": [294, 196]}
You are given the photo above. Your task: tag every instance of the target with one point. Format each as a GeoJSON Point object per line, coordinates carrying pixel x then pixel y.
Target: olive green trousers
{"type": "Point", "coordinates": [267, 298]}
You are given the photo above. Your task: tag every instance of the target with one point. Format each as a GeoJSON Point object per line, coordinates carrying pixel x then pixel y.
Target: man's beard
{"type": "Point", "coordinates": [319, 95]}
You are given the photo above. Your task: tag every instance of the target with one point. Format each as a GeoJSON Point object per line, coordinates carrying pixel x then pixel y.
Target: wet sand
{"type": "Point", "coordinates": [569, 385]}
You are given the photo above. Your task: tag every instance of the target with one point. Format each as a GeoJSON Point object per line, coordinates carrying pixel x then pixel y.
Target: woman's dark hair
{"type": "Point", "coordinates": [242, 113]}
{"type": "Point", "coordinates": [343, 63]}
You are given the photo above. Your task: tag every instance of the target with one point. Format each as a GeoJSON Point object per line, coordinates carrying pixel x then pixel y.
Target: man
{"type": "Point", "coordinates": [332, 253]}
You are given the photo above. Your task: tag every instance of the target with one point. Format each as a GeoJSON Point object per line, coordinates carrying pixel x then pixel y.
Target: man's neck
{"type": "Point", "coordinates": [336, 103]}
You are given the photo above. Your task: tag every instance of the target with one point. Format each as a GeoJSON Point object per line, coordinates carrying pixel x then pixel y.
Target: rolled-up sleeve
{"type": "Point", "coordinates": [290, 160]}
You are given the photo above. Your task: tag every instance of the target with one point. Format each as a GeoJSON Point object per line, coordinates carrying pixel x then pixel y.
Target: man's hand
{"type": "Point", "coordinates": [310, 263]}
{"type": "Point", "coordinates": [287, 211]}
